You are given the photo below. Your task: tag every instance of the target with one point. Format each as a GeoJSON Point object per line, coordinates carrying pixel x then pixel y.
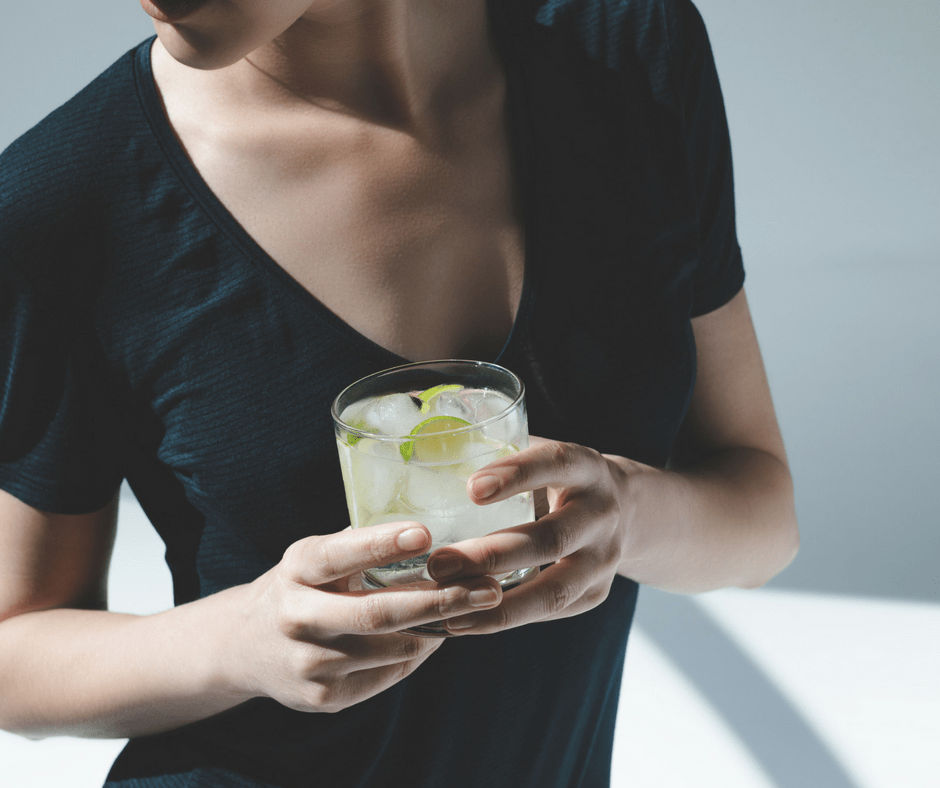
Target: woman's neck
{"type": "Point", "coordinates": [399, 63]}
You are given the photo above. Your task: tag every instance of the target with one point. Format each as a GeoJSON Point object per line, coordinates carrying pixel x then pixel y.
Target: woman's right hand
{"type": "Point", "coordinates": [312, 639]}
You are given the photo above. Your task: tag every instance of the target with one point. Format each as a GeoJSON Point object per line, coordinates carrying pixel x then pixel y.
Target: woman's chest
{"type": "Point", "coordinates": [419, 251]}
{"type": "Point", "coordinates": [417, 247]}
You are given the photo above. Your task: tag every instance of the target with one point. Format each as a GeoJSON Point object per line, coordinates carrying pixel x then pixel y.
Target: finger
{"type": "Point", "coordinates": [394, 609]}
{"type": "Point", "coordinates": [341, 692]}
{"type": "Point", "coordinates": [322, 559]}
{"type": "Point", "coordinates": [544, 464]}
{"type": "Point", "coordinates": [364, 684]}
{"type": "Point", "coordinates": [556, 535]}
{"type": "Point", "coordinates": [377, 651]}
{"type": "Point", "coordinates": [557, 592]}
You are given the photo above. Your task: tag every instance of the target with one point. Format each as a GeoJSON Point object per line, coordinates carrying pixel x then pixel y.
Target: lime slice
{"type": "Point", "coordinates": [428, 396]}
{"type": "Point", "coordinates": [349, 438]}
{"type": "Point", "coordinates": [429, 447]}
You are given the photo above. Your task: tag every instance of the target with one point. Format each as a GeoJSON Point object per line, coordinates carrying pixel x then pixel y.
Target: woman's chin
{"type": "Point", "coordinates": [198, 50]}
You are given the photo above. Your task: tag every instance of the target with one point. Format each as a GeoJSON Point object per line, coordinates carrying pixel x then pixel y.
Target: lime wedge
{"type": "Point", "coordinates": [431, 447]}
{"type": "Point", "coordinates": [426, 397]}
{"type": "Point", "coordinates": [349, 438]}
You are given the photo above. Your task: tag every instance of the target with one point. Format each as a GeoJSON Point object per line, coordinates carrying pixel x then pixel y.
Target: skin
{"type": "Point", "coordinates": [378, 143]}
{"type": "Point", "coordinates": [392, 110]}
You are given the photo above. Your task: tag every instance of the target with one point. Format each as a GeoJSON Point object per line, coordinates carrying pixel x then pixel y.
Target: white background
{"type": "Point", "coordinates": [827, 678]}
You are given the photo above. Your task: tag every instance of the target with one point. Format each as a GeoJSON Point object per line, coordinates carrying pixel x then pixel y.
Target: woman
{"type": "Point", "coordinates": [275, 198]}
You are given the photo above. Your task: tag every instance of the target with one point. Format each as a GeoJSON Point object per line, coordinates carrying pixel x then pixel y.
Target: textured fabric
{"type": "Point", "coordinates": [146, 336]}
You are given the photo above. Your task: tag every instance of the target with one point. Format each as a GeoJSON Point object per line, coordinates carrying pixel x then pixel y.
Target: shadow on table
{"type": "Point", "coordinates": [763, 718]}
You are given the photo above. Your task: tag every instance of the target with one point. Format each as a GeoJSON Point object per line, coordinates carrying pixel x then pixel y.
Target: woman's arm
{"type": "Point", "coordinates": [723, 516]}
{"type": "Point", "coordinates": [298, 634]}
{"type": "Point", "coordinates": [726, 521]}
{"type": "Point", "coordinates": [68, 667]}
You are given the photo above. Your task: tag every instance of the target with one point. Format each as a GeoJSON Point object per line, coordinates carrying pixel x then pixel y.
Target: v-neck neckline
{"type": "Point", "coordinates": [520, 141]}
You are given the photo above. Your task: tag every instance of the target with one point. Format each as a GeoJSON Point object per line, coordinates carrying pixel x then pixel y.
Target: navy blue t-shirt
{"type": "Point", "coordinates": [144, 335]}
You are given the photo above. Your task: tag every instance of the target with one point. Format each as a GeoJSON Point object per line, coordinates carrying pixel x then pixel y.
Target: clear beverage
{"type": "Point", "coordinates": [408, 441]}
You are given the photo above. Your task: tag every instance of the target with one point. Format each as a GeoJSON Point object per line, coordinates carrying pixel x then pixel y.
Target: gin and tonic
{"type": "Point", "coordinates": [410, 437]}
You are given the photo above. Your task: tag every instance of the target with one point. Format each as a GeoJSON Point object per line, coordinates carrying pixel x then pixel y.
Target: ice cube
{"type": "Point", "coordinates": [516, 510]}
{"type": "Point", "coordinates": [352, 414]}
{"type": "Point", "coordinates": [393, 414]}
{"type": "Point", "coordinates": [471, 463]}
{"type": "Point", "coordinates": [435, 490]}
{"type": "Point", "coordinates": [451, 403]}
{"type": "Point", "coordinates": [386, 450]}
{"type": "Point", "coordinates": [377, 479]}
{"type": "Point", "coordinates": [497, 516]}
{"type": "Point", "coordinates": [444, 529]}
{"type": "Point", "coordinates": [507, 430]}
{"type": "Point", "coordinates": [474, 452]}
{"type": "Point", "coordinates": [486, 404]}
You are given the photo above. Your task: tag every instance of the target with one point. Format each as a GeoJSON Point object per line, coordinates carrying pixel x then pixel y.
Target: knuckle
{"type": "Point", "coordinates": [487, 558]}
{"type": "Point", "coordinates": [321, 697]}
{"type": "Point", "coordinates": [595, 596]}
{"type": "Point", "coordinates": [559, 597]}
{"type": "Point", "coordinates": [446, 601]}
{"type": "Point", "coordinates": [411, 648]}
{"type": "Point", "coordinates": [380, 547]}
{"type": "Point", "coordinates": [403, 670]}
{"type": "Point", "coordinates": [558, 541]}
{"type": "Point", "coordinates": [595, 460]}
{"type": "Point", "coordinates": [290, 561]}
{"type": "Point", "coordinates": [369, 614]}
{"type": "Point", "coordinates": [323, 559]}
{"type": "Point", "coordinates": [612, 553]}
{"type": "Point", "coordinates": [608, 494]}
{"type": "Point", "coordinates": [288, 622]}
{"type": "Point", "coordinates": [561, 457]}
{"type": "Point", "coordinates": [497, 619]}
{"type": "Point", "coordinates": [304, 663]}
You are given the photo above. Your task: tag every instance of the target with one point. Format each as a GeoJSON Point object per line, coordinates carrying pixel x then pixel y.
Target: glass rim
{"type": "Point", "coordinates": [412, 365]}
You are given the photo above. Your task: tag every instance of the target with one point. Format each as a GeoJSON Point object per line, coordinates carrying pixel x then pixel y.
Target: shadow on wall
{"type": "Point", "coordinates": [851, 353]}
{"type": "Point", "coordinates": [833, 119]}
{"type": "Point", "coordinates": [848, 350]}
{"type": "Point", "coordinates": [765, 721]}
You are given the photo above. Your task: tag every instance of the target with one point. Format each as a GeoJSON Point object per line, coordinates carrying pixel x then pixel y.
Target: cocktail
{"type": "Point", "coordinates": [409, 438]}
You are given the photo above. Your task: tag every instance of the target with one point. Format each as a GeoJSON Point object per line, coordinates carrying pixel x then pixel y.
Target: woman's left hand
{"type": "Point", "coordinates": [582, 536]}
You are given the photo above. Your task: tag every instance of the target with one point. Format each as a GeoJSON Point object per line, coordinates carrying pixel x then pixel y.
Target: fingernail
{"type": "Point", "coordinates": [484, 486]}
{"type": "Point", "coordinates": [445, 566]}
{"type": "Point", "coordinates": [412, 539]}
{"type": "Point", "coordinates": [484, 597]}
{"type": "Point", "coordinates": [464, 622]}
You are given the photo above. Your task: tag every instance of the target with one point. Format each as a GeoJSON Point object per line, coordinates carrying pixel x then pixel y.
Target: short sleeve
{"type": "Point", "coordinates": [719, 273]}
{"type": "Point", "coordinates": [59, 436]}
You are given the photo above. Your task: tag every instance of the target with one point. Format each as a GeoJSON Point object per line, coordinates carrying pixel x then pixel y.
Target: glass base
{"type": "Point", "coordinates": [435, 629]}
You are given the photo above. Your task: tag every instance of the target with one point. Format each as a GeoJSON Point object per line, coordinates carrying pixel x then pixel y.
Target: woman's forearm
{"type": "Point", "coordinates": [727, 521]}
{"type": "Point", "coordinates": [302, 634]}
{"type": "Point", "coordinates": [98, 674]}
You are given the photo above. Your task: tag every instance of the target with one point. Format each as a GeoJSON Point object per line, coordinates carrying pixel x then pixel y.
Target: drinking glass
{"type": "Point", "coordinates": [408, 440]}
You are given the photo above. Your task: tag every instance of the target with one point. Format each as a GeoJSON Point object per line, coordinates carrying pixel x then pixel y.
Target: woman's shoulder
{"type": "Point", "coordinates": [58, 179]}
{"type": "Point", "coordinates": [88, 117]}
{"type": "Point", "coordinates": [622, 34]}
{"type": "Point", "coordinates": [75, 143]}
{"type": "Point", "coordinates": [646, 16]}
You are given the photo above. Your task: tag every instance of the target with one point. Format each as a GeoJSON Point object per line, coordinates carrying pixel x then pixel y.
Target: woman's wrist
{"type": "Point", "coordinates": [646, 493]}
{"type": "Point", "coordinates": [221, 647]}
{"type": "Point", "coordinates": [727, 521]}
